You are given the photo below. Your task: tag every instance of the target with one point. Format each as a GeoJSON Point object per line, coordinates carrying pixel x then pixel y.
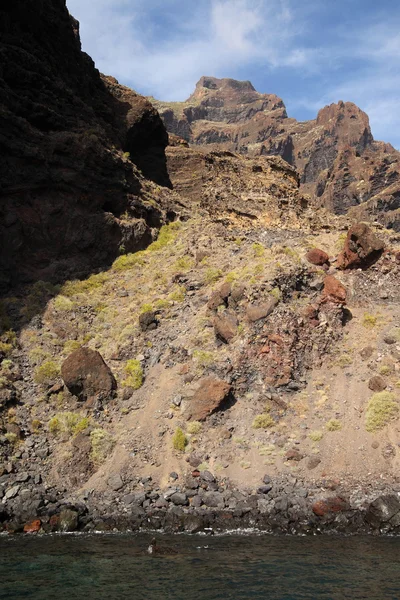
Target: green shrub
{"type": "Point", "coordinates": [5, 349]}
{"type": "Point", "coordinates": [212, 275]}
{"type": "Point", "coordinates": [86, 286]}
{"type": "Point", "coordinates": [128, 261]}
{"type": "Point", "coordinates": [71, 345]}
{"type": "Point", "coordinates": [166, 235]}
{"type": "Point", "coordinates": [179, 294]}
{"type": "Point", "coordinates": [369, 321]}
{"type": "Point", "coordinates": [258, 249]}
{"type": "Point", "coordinates": [385, 370]}
{"type": "Point", "coordinates": [68, 422]}
{"type": "Point", "coordinates": [381, 409]}
{"type": "Point", "coordinates": [146, 308]}
{"type": "Point", "coordinates": [179, 440]}
{"type": "Point", "coordinates": [102, 445]}
{"type": "Point", "coordinates": [134, 370]}
{"type": "Point", "coordinates": [205, 359]}
{"type": "Point", "coordinates": [263, 422]}
{"type": "Point", "coordinates": [11, 438]}
{"type": "Point", "coordinates": [183, 264]}
{"type": "Point", "coordinates": [333, 425]}
{"type": "Point", "coordinates": [47, 372]}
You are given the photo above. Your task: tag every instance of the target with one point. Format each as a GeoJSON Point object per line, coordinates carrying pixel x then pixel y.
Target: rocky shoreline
{"type": "Point", "coordinates": [203, 503]}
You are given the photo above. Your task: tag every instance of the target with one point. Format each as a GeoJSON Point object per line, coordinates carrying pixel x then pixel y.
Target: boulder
{"type": "Point", "coordinates": [148, 321]}
{"type": "Point", "coordinates": [68, 520]}
{"type": "Point", "coordinates": [317, 257]}
{"type": "Point", "coordinates": [382, 510]}
{"type": "Point", "coordinates": [361, 249]}
{"type": "Point", "coordinates": [377, 383]}
{"type": "Point", "coordinates": [208, 398]}
{"type": "Point", "coordinates": [87, 376]}
{"type": "Point", "coordinates": [333, 291]}
{"type": "Point", "coordinates": [225, 327]}
{"type": "Point", "coordinates": [33, 526]}
{"type": "Point", "coordinates": [329, 505]}
{"type": "Point", "coordinates": [260, 311]}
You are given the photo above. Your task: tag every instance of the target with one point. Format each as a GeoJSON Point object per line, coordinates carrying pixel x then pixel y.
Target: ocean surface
{"type": "Point", "coordinates": [240, 567]}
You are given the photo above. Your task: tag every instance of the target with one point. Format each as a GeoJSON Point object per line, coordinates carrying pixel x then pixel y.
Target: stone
{"type": "Point", "coordinates": [367, 352]}
{"type": "Point", "coordinates": [12, 492]}
{"type": "Point", "coordinates": [179, 499]}
{"type": "Point", "coordinates": [333, 291]}
{"type": "Point", "coordinates": [148, 321]}
{"type": "Point", "coordinates": [207, 476]}
{"type": "Point", "coordinates": [294, 455]}
{"type": "Point", "coordinates": [389, 339]}
{"type": "Point", "coordinates": [225, 327]}
{"type": "Point", "coordinates": [68, 520]}
{"type": "Point", "coordinates": [213, 500]}
{"type": "Point", "coordinates": [382, 510]}
{"type": "Point", "coordinates": [377, 383]}
{"type": "Point", "coordinates": [209, 397]}
{"type": "Point", "coordinates": [194, 460]}
{"type": "Point", "coordinates": [238, 292]}
{"type": "Point", "coordinates": [33, 526]}
{"type": "Point", "coordinates": [264, 489]}
{"type": "Point", "coordinates": [313, 462]}
{"type": "Point", "coordinates": [326, 506]}
{"type": "Point", "coordinates": [318, 257]}
{"type": "Point", "coordinates": [115, 482]}
{"type": "Point", "coordinates": [215, 301]}
{"type": "Point", "coordinates": [260, 311]}
{"type": "Point", "coordinates": [361, 249]}
{"type": "Point", "coordinates": [87, 376]}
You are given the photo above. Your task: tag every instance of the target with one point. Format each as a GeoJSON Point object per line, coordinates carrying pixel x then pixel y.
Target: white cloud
{"type": "Point", "coordinates": [216, 37]}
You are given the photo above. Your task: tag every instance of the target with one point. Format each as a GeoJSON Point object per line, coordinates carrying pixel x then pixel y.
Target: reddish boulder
{"type": "Point", "coordinates": [329, 505]}
{"type": "Point", "coordinates": [361, 249]}
{"type": "Point", "coordinates": [33, 526]}
{"type": "Point", "coordinates": [333, 291]}
{"type": "Point", "coordinates": [318, 257]}
{"type": "Point", "coordinates": [87, 376]}
{"type": "Point", "coordinates": [208, 398]}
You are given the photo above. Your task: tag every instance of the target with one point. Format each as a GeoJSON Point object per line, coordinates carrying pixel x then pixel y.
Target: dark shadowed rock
{"type": "Point", "coordinates": [208, 398]}
{"type": "Point", "coordinates": [87, 376]}
{"type": "Point", "coordinates": [377, 383]}
{"type": "Point", "coordinates": [148, 321]}
{"type": "Point", "coordinates": [382, 510]}
{"type": "Point", "coordinates": [225, 327]}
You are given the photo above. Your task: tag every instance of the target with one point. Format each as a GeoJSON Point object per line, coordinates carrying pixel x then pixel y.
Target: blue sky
{"type": "Point", "coordinates": [308, 52]}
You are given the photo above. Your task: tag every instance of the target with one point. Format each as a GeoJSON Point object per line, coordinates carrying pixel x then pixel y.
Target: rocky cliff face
{"type": "Point", "coordinates": [335, 154]}
{"type": "Point", "coordinates": [65, 135]}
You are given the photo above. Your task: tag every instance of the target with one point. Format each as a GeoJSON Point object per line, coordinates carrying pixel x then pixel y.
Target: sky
{"type": "Point", "coordinates": [308, 52]}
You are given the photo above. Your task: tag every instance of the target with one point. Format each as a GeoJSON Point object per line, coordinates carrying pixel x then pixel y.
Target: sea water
{"type": "Point", "coordinates": [118, 567]}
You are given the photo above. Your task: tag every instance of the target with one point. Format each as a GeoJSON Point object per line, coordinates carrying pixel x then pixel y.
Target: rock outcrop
{"type": "Point", "coordinates": [87, 376]}
{"type": "Point", "coordinates": [335, 154]}
{"type": "Point", "coordinates": [72, 143]}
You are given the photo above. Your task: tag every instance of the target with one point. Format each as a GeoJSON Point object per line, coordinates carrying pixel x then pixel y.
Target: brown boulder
{"type": "Point", "coordinates": [318, 257]}
{"type": "Point", "coordinates": [329, 505]}
{"type": "Point", "coordinates": [377, 383]}
{"type": "Point", "coordinates": [333, 291]}
{"type": "Point", "coordinates": [87, 376]}
{"type": "Point", "coordinates": [225, 327]}
{"type": "Point", "coordinates": [33, 526]}
{"type": "Point", "coordinates": [148, 321]}
{"type": "Point", "coordinates": [208, 398]}
{"type": "Point", "coordinates": [361, 249]}
{"type": "Point", "coordinates": [260, 311]}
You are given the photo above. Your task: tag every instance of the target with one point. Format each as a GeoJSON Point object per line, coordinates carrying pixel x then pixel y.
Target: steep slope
{"type": "Point", "coordinates": [66, 135]}
{"type": "Point", "coordinates": [335, 154]}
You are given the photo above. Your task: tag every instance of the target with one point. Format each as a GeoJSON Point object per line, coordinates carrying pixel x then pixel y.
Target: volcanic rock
{"type": "Point", "coordinates": [362, 248]}
{"type": "Point", "coordinates": [87, 376]}
{"type": "Point", "coordinates": [318, 257]}
{"type": "Point", "coordinates": [209, 397]}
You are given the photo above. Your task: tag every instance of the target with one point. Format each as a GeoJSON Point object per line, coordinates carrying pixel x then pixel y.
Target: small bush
{"type": "Point", "coordinates": [369, 321]}
{"type": "Point", "coordinates": [204, 358]}
{"type": "Point", "coordinates": [381, 409]}
{"type": "Point", "coordinates": [68, 422]}
{"type": "Point", "coordinates": [179, 294]}
{"type": "Point", "coordinates": [5, 349]}
{"type": "Point", "coordinates": [134, 370]}
{"type": "Point", "coordinates": [145, 308]}
{"type": "Point", "coordinates": [102, 445]}
{"type": "Point", "coordinates": [179, 440]}
{"type": "Point", "coordinates": [333, 425]}
{"type": "Point", "coordinates": [47, 372]}
{"type": "Point", "coordinates": [11, 438]}
{"type": "Point", "coordinates": [212, 275]}
{"type": "Point", "coordinates": [258, 249]}
{"type": "Point", "coordinates": [316, 436]}
{"type": "Point", "coordinates": [263, 422]}
{"type": "Point", "coordinates": [71, 345]}
{"type": "Point", "coordinates": [345, 360]}
{"type": "Point", "coordinates": [36, 425]}
{"type": "Point", "coordinates": [86, 286]}
{"type": "Point", "coordinates": [194, 427]}
{"type": "Point", "coordinates": [183, 264]}
{"type": "Point", "coordinates": [63, 304]}
{"type": "Point", "coordinates": [385, 370]}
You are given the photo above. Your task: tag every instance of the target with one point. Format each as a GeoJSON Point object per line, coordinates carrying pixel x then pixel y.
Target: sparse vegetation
{"type": "Point", "coordinates": [385, 370]}
{"type": "Point", "coordinates": [316, 436]}
{"type": "Point", "coordinates": [134, 370]}
{"type": "Point", "coordinates": [369, 321]}
{"type": "Point", "coordinates": [212, 275]}
{"type": "Point", "coordinates": [381, 409]}
{"type": "Point", "coordinates": [179, 440]}
{"type": "Point", "coordinates": [68, 423]}
{"type": "Point", "coordinates": [333, 425]}
{"type": "Point", "coordinates": [263, 421]}
{"type": "Point", "coordinates": [205, 359]}
{"type": "Point", "coordinates": [258, 249]}
{"type": "Point", "coordinates": [11, 438]}
{"type": "Point", "coordinates": [63, 304]}
{"type": "Point", "coordinates": [194, 427]}
{"type": "Point", "coordinates": [86, 286]}
{"type": "Point", "coordinates": [102, 445]}
{"type": "Point", "coordinates": [47, 372]}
